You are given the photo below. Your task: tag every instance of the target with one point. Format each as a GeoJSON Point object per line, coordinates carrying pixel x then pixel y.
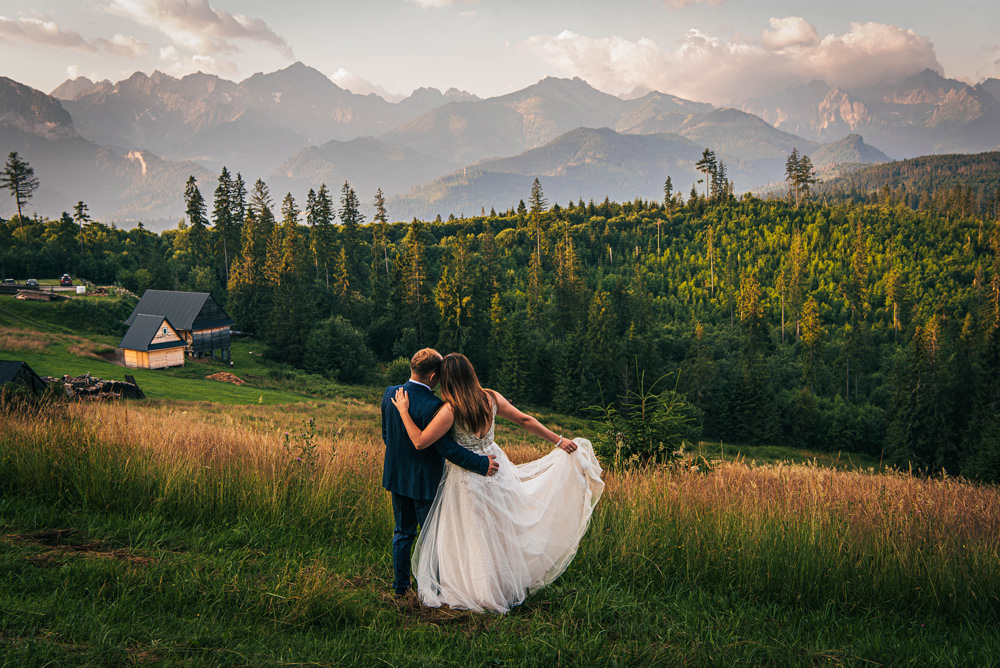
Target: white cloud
{"type": "Point", "coordinates": [45, 32]}
{"type": "Point", "coordinates": [437, 4]}
{"type": "Point", "coordinates": [705, 67]}
{"type": "Point", "coordinates": [788, 32]}
{"type": "Point", "coordinates": [123, 45]}
{"type": "Point", "coordinates": [360, 86]}
{"type": "Point", "coordinates": [179, 65]}
{"type": "Point", "coordinates": [199, 27]}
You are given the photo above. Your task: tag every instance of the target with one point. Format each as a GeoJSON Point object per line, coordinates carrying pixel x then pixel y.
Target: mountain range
{"type": "Point", "coordinates": [126, 148]}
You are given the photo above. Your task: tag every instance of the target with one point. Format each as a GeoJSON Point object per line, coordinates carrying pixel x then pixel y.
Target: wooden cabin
{"type": "Point", "coordinates": [19, 373]}
{"type": "Point", "coordinates": [196, 316]}
{"type": "Point", "coordinates": [152, 343]}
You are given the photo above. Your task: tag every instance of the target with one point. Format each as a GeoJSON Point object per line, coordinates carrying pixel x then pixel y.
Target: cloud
{"type": "Point", "coordinates": [199, 27]}
{"type": "Point", "coordinates": [706, 67]}
{"type": "Point", "coordinates": [437, 4]}
{"type": "Point", "coordinates": [45, 32]}
{"type": "Point", "coordinates": [788, 32]}
{"type": "Point", "coordinates": [180, 65]}
{"type": "Point", "coordinates": [360, 86]}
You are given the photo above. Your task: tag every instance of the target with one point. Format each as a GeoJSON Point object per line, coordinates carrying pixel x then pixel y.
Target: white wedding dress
{"type": "Point", "coordinates": [488, 541]}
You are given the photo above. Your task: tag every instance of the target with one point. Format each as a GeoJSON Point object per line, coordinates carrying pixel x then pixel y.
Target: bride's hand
{"type": "Point", "coordinates": [401, 401]}
{"type": "Point", "coordinates": [568, 445]}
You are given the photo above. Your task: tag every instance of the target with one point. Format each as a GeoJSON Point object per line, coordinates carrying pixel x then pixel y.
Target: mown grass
{"type": "Point", "coordinates": [71, 338]}
{"type": "Point", "coordinates": [191, 535]}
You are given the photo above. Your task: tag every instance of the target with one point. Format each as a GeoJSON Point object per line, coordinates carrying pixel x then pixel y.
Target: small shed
{"type": "Point", "coordinates": [196, 316]}
{"type": "Point", "coordinates": [152, 343]}
{"type": "Point", "coordinates": [19, 373]}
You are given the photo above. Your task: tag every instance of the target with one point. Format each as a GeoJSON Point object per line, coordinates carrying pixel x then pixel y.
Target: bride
{"type": "Point", "coordinates": [489, 541]}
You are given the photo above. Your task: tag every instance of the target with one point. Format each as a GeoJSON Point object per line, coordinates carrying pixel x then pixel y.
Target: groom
{"type": "Point", "coordinates": [412, 475]}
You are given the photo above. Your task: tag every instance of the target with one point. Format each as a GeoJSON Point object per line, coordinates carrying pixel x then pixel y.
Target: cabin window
{"type": "Point", "coordinates": [164, 330]}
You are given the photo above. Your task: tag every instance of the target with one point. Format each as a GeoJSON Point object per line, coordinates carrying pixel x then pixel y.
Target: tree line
{"type": "Point", "coordinates": [861, 327]}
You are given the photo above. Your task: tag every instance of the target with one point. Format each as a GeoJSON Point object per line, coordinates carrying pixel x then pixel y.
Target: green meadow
{"type": "Point", "coordinates": [213, 526]}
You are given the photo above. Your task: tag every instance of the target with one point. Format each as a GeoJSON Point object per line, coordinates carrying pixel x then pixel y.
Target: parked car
{"type": "Point", "coordinates": [66, 280]}
{"type": "Point", "coordinates": [9, 281]}
{"type": "Point", "coordinates": [32, 283]}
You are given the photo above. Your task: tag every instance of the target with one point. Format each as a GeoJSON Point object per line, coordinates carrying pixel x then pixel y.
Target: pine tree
{"type": "Point", "coordinates": [293, 313]}
{"type": "Point", "coordinates": [351, 219]}
{"type": "Point", "coordinates": [222, 218]}
{"type": "Point", "coordinates": [413, 281]}
{"type": "Point", "coordinates": [454, 298]}
{"type": "Point", "coordinates": [378, 275]}
{"type": "Point", "coordinates": [812, 339]}
{"type": "Point", "coordinates": [707, 166]}
{"type": "Point", "coordinates": [19, 178]}
{"type": "Point", "coordinates": [197, 222]}
{"type": "Point", "coordinates": [320, 218]}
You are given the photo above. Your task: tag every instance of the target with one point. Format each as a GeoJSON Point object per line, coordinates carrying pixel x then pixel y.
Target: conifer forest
{"type": "Point", "coordinates": [859, 326]}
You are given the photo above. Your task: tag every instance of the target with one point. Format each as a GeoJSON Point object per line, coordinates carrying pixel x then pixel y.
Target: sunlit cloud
{"type": "Point", "coordinates": [48, 33]}
{"type": "Point", "coordinates": [176, 64]}
{"type": "Point", "coordinates": [706, 67]}
{"type": "Point", "coordinates": [360, 86]}
{"type": "Point", "coordinates": [199, 27]}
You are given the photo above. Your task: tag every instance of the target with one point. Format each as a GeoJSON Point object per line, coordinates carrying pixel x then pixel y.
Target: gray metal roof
{"type": "Point", "coordinates": [142, 331]}
{"type": "Point", "coordinates": [20, 372]}
{"type": "Point", "coordinates": [185, 310]}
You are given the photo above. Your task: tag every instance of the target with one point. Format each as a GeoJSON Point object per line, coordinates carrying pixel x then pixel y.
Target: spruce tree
{"type": "Point", "coordinates": [19, 178]}
{"type": "Point", "coordinates": [197, 222]}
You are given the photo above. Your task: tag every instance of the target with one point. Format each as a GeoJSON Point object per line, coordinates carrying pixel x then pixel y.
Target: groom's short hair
{"type": "Point", "coordinates": [425, 362]}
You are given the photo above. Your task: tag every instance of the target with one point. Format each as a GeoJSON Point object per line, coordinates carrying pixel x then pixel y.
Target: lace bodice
{"type": "Point", "coordinates": [470, 441]}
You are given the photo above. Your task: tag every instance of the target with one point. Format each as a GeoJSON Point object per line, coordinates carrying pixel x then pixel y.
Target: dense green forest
{"type": "Point", "coordinates": [863, 327]}
{"type": "Point", "coordinates": [966, 185]}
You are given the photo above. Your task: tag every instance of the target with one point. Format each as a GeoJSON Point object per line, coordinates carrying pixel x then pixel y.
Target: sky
{"type": "Point", "coordinates": [719, 51]}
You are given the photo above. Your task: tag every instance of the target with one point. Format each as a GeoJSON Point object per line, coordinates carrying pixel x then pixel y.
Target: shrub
{"type": "Point", "coordinates": [336, 348]}
{"type": "Point", "coordinates": [650, 427]}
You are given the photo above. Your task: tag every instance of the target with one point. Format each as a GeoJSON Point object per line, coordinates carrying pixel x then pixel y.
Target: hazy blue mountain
{"type": "Point", "coordinates": [852, 149]}
{"type": "Point", "coordinates": [366, 163]}
{"type": "Point", "coordinates": [991, 86]}
{"type": "Point", "coordinates": [587, 163]}
{"type": "Point", "coordinates": [250, 126]}
{"type": "Point", "coordinates": [656, 112]}
{"type": "Point", "coordinates": [509, 124]}
{"type": "Point", "coordinates": [116, 186]}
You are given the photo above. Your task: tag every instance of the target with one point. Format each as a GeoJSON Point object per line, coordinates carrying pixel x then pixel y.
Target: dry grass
{"type": "Point", "coordinates": [23, 340]}
{"type": "Point", "coordinates": [789, 530]}
{"type": "Point", "coordinates": [33, 341]}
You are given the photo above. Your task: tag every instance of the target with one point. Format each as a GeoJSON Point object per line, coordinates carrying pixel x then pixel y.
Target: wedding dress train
{"type": "Point", "coordinates": [488, 541]}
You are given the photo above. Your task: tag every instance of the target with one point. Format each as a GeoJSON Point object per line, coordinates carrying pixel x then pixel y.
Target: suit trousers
{"type": "Point", "coordinates": [409, 514]}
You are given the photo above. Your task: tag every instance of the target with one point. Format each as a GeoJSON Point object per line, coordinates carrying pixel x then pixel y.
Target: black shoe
{"type": "Point", "coordinates": [401, 593]}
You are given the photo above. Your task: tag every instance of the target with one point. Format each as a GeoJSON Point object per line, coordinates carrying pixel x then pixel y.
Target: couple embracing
{"type": "Point", "coordinates": [490, 531]}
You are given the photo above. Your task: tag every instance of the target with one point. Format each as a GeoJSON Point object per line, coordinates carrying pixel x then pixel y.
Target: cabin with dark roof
{"type": "Point", "coordinates": [196, 316]}
{"type": "Point", "coordinates": [19, 373]}
{"type": "Point", "coordinates": [152, 343]}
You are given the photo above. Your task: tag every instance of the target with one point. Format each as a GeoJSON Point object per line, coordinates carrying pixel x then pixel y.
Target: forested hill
{"type": "Point", "coordinates": [939, 182]}
{"type": "Point", "coordinates": [871, 328]}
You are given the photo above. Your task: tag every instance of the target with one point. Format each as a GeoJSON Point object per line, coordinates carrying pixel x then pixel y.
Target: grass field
{"type": "Point", "coordinates": [190, 530]}
{"type": "Point", "coordinates": [161, 534]}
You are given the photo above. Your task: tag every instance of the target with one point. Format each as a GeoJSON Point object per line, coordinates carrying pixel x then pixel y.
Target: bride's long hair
{"type": "Point", "coordinates": [460, 387]}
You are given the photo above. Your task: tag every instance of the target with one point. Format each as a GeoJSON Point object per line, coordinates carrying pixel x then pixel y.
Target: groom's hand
{"type": "Point", "coordinates": [494, 465]}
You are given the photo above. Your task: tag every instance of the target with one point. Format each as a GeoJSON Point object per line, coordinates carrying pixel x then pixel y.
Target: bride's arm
{"type": "Point", "coordinates": [506, 410]}
{"type": "Point", "coordinates": [438, 427]}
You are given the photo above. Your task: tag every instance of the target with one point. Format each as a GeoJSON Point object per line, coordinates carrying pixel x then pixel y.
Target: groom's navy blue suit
{"type": "Point", "coordinates": [413, 475]}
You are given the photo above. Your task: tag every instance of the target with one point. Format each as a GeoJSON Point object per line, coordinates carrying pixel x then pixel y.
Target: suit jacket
{"type": "Point", "coordinates": [416, 473]}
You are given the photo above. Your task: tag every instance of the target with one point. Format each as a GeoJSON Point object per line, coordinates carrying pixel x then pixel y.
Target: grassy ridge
{"type": "Point", "coordinates": [195, 536]}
